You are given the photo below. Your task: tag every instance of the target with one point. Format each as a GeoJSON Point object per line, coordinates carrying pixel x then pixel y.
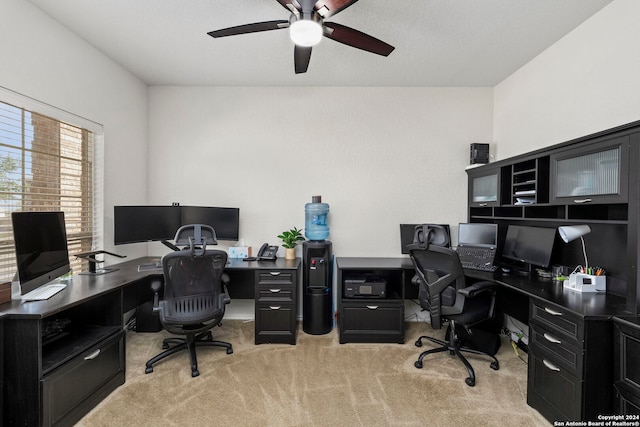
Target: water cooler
{"type": "Point", "coordinates": [317, 274]}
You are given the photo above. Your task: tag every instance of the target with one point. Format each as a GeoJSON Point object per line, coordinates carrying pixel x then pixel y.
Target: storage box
{"type": "Point", "coordinates": [586, 283]}
{"type": "Point", "coordinates": [239, 251]}
{"type": "Point", "coordinates": [5, 292]}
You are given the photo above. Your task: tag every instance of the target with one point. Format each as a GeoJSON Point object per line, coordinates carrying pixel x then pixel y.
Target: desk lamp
{"type": "Point", "coordinates": [570, 233]}
{"type": "Point", "coordinates": [582, 281]}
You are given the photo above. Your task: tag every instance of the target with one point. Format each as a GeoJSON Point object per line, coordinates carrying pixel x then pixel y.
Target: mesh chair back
{"type": "Point", "coordinates": [193, 291]}
{"type": "Point", "coordinates": [439, 275]}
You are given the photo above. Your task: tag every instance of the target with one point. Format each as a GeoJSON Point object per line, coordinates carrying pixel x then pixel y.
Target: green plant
{"type": "Point", "coordinates": [291, 238]}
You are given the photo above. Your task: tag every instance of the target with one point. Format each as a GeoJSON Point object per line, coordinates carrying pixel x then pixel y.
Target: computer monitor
{"type": "Point", "coordinates": [477, 234]}
{"type": "Point", "coordinates": [532, 246]}
{"type": "Point", "coordinates": [42, 254]}
{"type": "Point", "coordinates": [225, 221]}
{"type": "Point", "coordinates": [134, 224]}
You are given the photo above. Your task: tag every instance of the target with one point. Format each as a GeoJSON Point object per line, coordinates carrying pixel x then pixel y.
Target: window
{"type": "Point", "coordinates": [45, 165]}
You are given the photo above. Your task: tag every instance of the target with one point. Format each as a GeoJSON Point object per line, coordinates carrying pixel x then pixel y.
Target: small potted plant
{"type": "Point", "coordinates": [290, 240]}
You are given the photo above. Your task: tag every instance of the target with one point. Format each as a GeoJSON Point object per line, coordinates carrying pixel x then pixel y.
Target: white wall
{"type": "Point", "coordinates": [44, 61]}
{"type": "Point", "coordinates": [378, 156]}
{"type": "Point", "coordinates": [587, 82]}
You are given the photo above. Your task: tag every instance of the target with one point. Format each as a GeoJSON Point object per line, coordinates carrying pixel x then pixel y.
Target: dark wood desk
{"type": "Point", "coordinates": [58, 380]}
{"type": "Point", "coordinates": [570, 334]}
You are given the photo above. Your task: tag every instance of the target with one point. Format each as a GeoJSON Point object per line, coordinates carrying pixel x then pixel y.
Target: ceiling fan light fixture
{"type": "Point", "coordinates": [305, 32]}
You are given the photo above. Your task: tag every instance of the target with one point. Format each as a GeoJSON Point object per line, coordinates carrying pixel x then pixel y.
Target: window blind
{"type": "Point", "coordinates": [45, 165]}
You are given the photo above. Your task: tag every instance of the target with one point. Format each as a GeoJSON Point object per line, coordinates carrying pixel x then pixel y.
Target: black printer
{"type": "Point", "coordinates": [365, 287]}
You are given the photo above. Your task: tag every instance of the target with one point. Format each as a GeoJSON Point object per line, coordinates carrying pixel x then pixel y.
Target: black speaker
{"type": "Point", "coordinates": [479, 153]}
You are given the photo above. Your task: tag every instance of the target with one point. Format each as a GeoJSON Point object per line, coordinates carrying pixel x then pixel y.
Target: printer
{"type": "Point", "coordinates": [365, 287]}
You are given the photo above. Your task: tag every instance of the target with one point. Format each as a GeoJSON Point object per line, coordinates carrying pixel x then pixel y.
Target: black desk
{"type": "Point", "coordinates": [570, 343]}
{"type": "Point", "coordinates": [60, 380]}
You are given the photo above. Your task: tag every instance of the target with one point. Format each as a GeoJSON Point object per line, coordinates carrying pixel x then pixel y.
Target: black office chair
{"type": "Point", "coordinates": [195, 294]}
{"type": "Point", "coordinates": [443, 292]}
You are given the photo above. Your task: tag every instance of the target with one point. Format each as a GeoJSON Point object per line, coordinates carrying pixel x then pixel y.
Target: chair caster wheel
{"type": "Point", "coordinates": [419, 343]}
{"type": "Point", "coordinates": [495, 366]}
{"type": "Point", "coordinates": [229, 351]}
{"type": "Point", "coordinates": [470, 382]}
{"type": "Point", "coordinates": [195, 373]}
{"type": "Point", "coordinates": [418, 364]}
{"type": "Point", "coordinates": [148, 370]}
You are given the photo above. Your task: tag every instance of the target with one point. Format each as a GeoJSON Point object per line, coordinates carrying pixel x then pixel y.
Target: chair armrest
{"type": "Point", "coordinates": [225, 296]}
{"type": "Point", "coordinates": [478, 288]}
{"type": "Point", "coordinates": [156, 285]}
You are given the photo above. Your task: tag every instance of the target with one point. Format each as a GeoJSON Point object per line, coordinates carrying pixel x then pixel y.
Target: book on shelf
{"type": "Point", "coordinates": [525, 193]}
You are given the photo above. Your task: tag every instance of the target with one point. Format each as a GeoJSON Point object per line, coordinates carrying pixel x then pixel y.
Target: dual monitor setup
{"type": "Point", "coordinates": [525, 247]}
{"type": "Point", "coordinates": [42, 254]}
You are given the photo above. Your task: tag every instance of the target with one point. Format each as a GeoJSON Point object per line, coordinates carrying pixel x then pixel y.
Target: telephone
{"type": "Point", "coordinates": [267, 252]}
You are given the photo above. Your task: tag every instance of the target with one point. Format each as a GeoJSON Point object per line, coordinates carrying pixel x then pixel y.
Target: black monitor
{"type": "Point", "coordinates": [42, 254]}
{"type": "Point", "coordinates": [529, 245]}
{"type": "Point", "coordinates": [134, 224]}
{"type": "Point", "coordinates": [225, 221]}
{"type": "Point", "coordinates": [477, 234]}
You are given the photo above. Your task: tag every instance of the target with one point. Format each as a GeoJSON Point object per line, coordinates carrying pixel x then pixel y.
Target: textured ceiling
{"type": "Point", "coordinates": [438, 42]}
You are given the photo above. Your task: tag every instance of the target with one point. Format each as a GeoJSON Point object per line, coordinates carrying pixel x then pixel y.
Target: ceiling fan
{"type": "Point", "coordinates": [307, 27]}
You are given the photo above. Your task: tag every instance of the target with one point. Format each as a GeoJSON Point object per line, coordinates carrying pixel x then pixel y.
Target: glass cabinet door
{"type": "Point", "coordinates": [484, 188]}
{"type": "Point", "coordinates": [596, 173]}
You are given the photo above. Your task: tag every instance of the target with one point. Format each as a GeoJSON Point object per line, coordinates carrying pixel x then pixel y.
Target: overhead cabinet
{"type": "Point", "coordinates": [595, 173]}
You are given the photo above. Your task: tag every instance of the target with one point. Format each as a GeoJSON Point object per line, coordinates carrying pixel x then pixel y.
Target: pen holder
{"type": "Point", "coordinates": [581, 282]}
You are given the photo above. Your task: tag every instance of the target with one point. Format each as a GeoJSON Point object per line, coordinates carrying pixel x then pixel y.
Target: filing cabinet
{"type": "Point", "coordinates": [627, 365]}
{"type": "Point", "coordinates": [275, 306]}
{"type": "Point", "coordinates": [565, 381]}
{"type": "Point", "coordinates": [373, 319]}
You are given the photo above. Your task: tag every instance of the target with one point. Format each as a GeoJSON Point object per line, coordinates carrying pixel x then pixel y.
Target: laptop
{"type": "Point", "coordinates": [477, 246]}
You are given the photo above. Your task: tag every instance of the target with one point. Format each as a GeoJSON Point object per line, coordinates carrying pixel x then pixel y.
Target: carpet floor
{"type": "Point", "coordinates": [317, 382]}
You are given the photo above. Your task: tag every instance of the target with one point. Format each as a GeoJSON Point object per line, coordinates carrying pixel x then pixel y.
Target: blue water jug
{"type": "Point", "coordinates": [316, 227]}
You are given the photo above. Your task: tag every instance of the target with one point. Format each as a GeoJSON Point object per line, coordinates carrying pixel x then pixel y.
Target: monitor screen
{"type": "Point", "coordinates": [133, 224]}
{"type": "Point", "coordinates": [531, 245]}
{"type": "Point", "coordinates": [225, 221]}
{"type": "Point", "coordinates": [477, 234]}
{"type": "Point", "coordinates": [42, 254]}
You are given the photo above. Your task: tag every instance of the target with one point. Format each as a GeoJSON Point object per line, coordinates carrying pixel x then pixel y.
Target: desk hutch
{"type": "Point", "coordinates": [592, 180]}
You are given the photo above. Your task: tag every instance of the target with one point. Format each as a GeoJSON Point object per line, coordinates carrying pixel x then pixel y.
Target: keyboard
{"type": "Point", "coordinates": [148, 266]}
{"type": "Point", "coordinates": [482, 267]}
{"type": "Point", "coordinates": [44, 292]}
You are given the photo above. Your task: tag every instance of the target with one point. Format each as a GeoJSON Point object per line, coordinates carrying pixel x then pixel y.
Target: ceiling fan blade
{"type": "Point", "coordinates": [301, 57]}
{"type": "Point", "coordinates": [327, 8]}
{"type": "Point", "coordinates": [357, 39]}
{"type": "Point", "coordinates": [249, 28]}
{"type": "Point", "coordinates": [287, 4]}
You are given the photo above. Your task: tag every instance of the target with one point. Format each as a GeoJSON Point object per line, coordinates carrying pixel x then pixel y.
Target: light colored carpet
{"type": "Point", "coordinates": [317, 382]}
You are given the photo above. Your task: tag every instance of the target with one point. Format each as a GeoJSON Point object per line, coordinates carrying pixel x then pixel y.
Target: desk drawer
{"type": "Point", "coordinates": [558, 321]}
{"type": "Point", "coordinates": [373, 321]}
{"type": "Point", "coordinates": [277, 277]}
{"type": "Point", "coordinates": [562, 352]}
{"type": "Point", "coordinates": [75, 388]}
{"type": "Point", "coordinates": [552, 390]}
{"type": "Point", "coordinates": [275, 293]}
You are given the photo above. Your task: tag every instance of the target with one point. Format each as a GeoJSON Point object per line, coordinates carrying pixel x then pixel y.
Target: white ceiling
{"type": "Point", "coordinates": [473, 43]}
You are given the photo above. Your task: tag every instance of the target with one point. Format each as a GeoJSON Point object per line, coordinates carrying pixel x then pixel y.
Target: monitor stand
{"type": "Point", "coordinates": [93, 261]}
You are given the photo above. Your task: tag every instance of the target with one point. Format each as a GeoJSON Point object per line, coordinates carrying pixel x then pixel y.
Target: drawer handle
{"type": "Point", "coordinates": [372, 307]}
{"type": "Point", "coordinates": [275, 291]}
{"type": "Point", "coordinates": [274, 307]}
{"type": "Point", "coordinates": [587, 200]}
{"type": "Point", "coordinates": [483, 204]}
{"type": "Point", "coordinates": [550, 365]}
{"type": "Point", "coordinates": [92, 355]}
{"type": "Point", "coordinates": [551, 338]}
{"type": "Point", "coordinates": [552, 312]}
{"type": "Point", "coordinates": [275, 273]}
